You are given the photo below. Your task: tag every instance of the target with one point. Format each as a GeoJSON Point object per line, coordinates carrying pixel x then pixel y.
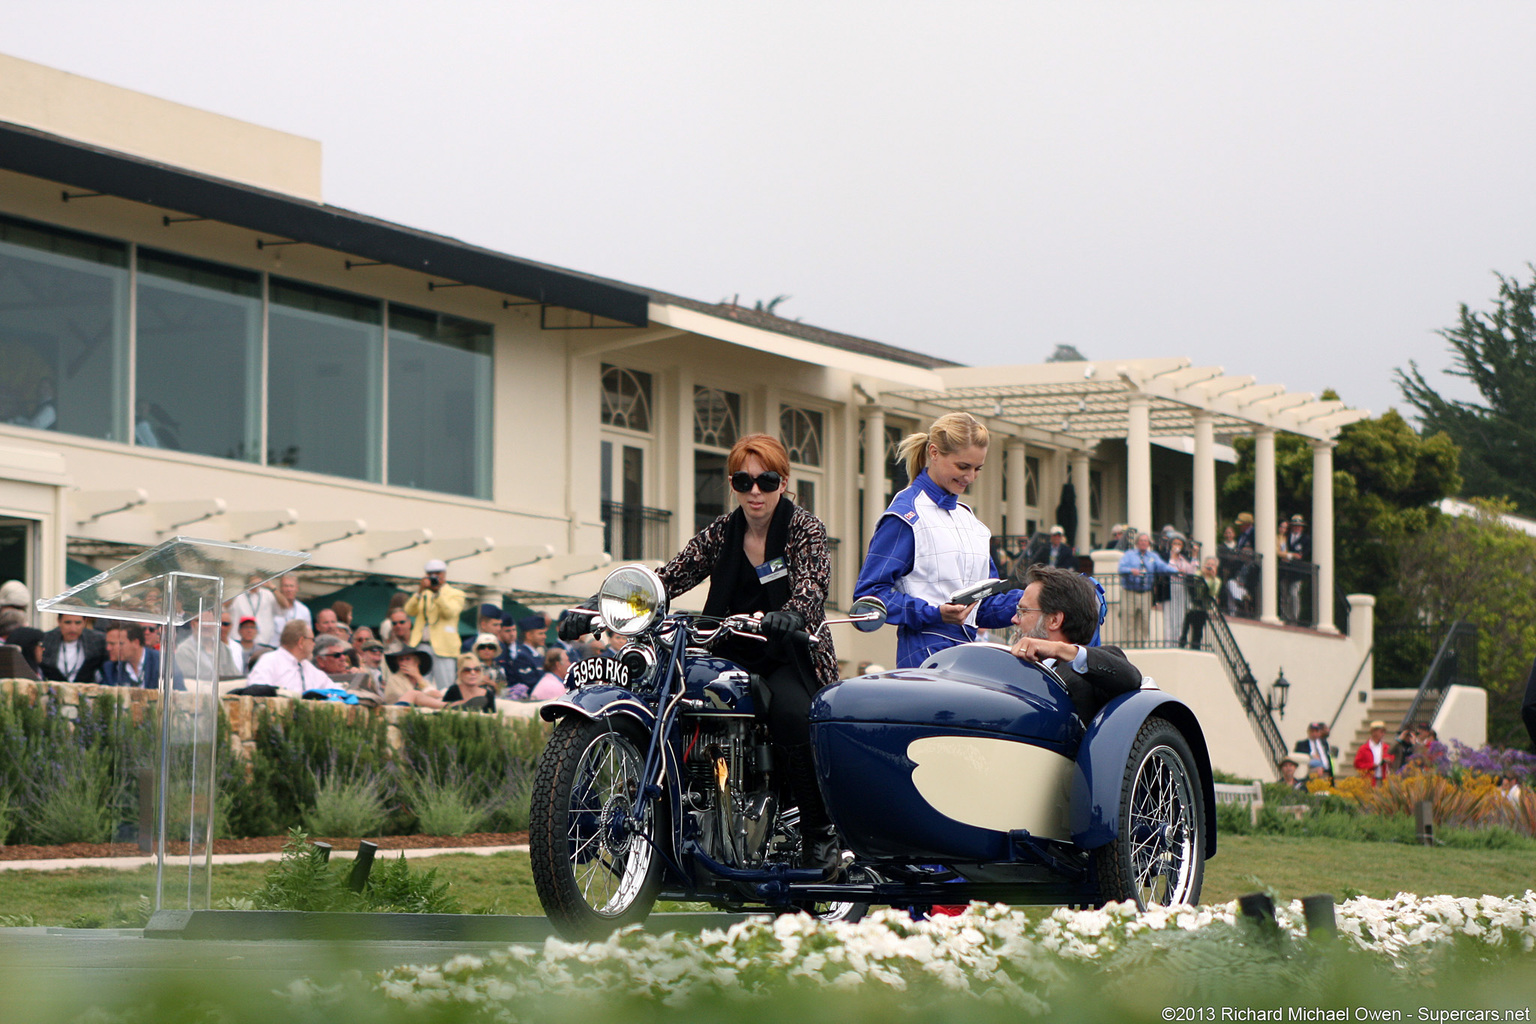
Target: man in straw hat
{"type": "Point", "coordinates": [1374, 756]}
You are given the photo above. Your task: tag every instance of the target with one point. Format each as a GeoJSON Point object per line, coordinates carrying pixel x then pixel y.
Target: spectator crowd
{"type": "Point", "coordinates": [277, 644]}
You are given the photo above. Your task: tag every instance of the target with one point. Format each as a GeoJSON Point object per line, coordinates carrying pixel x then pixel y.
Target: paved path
{"type": "Point", "coordinates": [130, 863]}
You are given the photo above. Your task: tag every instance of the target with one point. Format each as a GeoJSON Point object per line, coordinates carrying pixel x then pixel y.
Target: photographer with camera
{"type": "Point", "coordinates": [434, 610]}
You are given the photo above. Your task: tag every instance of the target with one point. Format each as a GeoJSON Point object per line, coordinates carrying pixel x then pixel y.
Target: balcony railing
{"type": "Point", "coordinates": [635, 533]}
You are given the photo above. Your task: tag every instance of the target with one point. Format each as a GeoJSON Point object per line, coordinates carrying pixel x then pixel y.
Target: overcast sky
{"type": "Point", "coordinates": [1295, 190]}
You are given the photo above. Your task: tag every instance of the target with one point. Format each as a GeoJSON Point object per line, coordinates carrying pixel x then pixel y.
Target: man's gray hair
{"type": "Point", "coordinates": [327, 643]}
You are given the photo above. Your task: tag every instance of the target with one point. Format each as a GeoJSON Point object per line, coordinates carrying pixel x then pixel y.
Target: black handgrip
{"type": "Point", "coordinates": [801, 637]}
{"type": "Point", "coordinates": [574, 624]}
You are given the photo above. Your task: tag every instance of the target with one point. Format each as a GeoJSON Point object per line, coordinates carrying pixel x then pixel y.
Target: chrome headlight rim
{"type": "Point", "coordinates": [632, 600]}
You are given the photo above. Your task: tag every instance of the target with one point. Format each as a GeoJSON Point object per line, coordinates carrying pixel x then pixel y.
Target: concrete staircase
{"type": "Point", "coordinates": [1385, 706]}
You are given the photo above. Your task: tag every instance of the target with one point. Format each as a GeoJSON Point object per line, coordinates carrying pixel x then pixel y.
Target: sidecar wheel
{"type": "Point", "coordinates": [1158, 855]}
{"type": "Point", "coordinates": [594, 865]}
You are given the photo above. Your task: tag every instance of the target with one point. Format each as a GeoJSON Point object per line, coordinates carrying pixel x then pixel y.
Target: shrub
{"type": "Point", "coordinates": [303, 880]}
{"type": "Point", "coordinates": [447, 803]}
{"type": "Point", "coordinates": [348, 804]}
{"type": "Point", "coordinates": [73, 800]}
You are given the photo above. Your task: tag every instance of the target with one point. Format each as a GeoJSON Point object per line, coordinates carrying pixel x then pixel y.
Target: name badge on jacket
{"type": "Point", "coordinates": [773, 569]}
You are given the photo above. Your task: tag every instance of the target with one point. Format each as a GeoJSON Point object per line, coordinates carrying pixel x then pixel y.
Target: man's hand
{"type": "Point", "coordinates": [1032, 649]}
{"type": "Point", "coordinates": [955, 614]}
{"type": "Point", "coordinates": [426, 582]}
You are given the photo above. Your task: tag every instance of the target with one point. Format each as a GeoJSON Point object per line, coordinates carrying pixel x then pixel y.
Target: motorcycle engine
{"type": "Point", "coordinates": [727, 789]}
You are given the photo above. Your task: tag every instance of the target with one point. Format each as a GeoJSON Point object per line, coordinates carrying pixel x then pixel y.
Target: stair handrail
{"type": "Point", "coordinates": [1431, 674]}
{"type": "Point", "coordinates": [1243, 681]}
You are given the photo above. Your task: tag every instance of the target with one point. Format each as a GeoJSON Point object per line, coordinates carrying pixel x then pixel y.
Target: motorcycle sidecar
{"type": "Point", "coordinates": [978, 761]}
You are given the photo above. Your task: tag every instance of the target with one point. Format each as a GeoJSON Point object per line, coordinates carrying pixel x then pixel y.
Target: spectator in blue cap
{"type": "Point", "coordinates": [528, 655]}
{"type": "Point", "coordinates": [490, 622]}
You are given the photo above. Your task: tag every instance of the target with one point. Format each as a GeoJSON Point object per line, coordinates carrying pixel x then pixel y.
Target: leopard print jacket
{"type": "Point", "coordinates": [810, 567]}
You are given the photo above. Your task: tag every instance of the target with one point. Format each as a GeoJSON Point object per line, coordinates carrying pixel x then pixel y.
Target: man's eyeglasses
{"type": "Point", "coordinates": [768, 482]}
{"type": "Point", "coordinates": [1022, 610]}
{"type": "Point", "coordinates": [471, 668]}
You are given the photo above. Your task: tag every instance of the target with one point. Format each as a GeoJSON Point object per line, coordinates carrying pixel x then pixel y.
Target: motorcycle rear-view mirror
{"type": "Point", "coordinates": [867, 614]}
{"type": "Point", "coordinates": [976, 591]}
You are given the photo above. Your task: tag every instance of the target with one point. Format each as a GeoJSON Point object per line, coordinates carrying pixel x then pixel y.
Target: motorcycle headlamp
{"type": "Point", "coordinates": [632, 599]}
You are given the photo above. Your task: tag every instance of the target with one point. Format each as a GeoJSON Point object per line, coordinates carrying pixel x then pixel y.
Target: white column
{"type": "Point", "coordinates": [874, 474]}
{"type": "Point", "coordinates": [1205, 482]}
{"type": "Point", "coordinates": [1013, 451]}
{"type": "Point", "coordinates": [1322, 531]}
{"type": "Point", "coordinates": [1079, 460]}
{"type": "Point", "coordinates": [683, 491]}
{"type": "Point", "coordinates": [1138, 463]}
{"type": "Point", "coordinates": [1264, 524]}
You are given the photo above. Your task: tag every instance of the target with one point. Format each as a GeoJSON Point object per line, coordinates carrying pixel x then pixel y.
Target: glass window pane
{"type": "Point", "coordinates": [626, 398]}
{"type": "Point", "coordinates": [800, 430]}
{"type": "Point", "coordinates": [324, 381]}
{"type": "Point", "coordinates": [439, 402]}
{"type": "Point", "coordinates": [63, 330]}
{"type": "Point", "coordinates": [198, 353]}
{"type": "Point", "coordinates": [711, 496]}
{"type": "Point", "coordinates": [716, 417]}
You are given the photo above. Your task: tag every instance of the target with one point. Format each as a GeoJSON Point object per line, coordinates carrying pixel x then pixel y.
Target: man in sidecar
{"type": "Point", "coordinates": [1058, 615]}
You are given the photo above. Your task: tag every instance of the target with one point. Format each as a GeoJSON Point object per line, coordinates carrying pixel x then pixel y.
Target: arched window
{"type": "Point", "coordinates": [800, 430]}
{"type": "Point", "coordinates": [626, 398]}
{"type": "Point", "coordinates": [716, 417]}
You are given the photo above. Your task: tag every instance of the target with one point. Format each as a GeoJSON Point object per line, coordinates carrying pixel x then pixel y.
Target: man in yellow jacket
{"type": "Point", "coordinates": [434, 610]}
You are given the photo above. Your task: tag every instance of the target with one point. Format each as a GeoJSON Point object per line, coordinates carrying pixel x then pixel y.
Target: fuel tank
{"type": "Point", "coordinates": [942, 762]}
{"type": "Point", "coordinates": [723, 687]}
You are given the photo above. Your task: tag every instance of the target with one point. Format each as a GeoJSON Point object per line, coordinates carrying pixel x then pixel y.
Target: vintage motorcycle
{"type": "Point", "coordinates": [971, 777]}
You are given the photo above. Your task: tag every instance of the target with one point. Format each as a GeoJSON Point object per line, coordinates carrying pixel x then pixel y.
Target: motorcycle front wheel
{"type": "Point", "coordinates": [594, 863]}
{"type": "Point", "coordinates": [1157, 857]}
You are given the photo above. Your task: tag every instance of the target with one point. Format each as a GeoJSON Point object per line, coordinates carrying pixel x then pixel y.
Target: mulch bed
{"type": "Point", "coordinates": [264, 844]}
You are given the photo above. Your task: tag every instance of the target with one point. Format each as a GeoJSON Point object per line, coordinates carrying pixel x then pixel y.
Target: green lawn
{"type": "Point", "coordinates": [501, 883]}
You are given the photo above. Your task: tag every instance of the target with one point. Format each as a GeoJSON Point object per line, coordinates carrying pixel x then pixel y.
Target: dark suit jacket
{"type": "Point", "coordinates": [113, 674]}
{"type": "Point", "coordinates": [1064, 558]}
{"type": "Point", "coordinates": [93, 642]}
{"type": "Point", "coordinates": [1109, 674]}
{"type": "Point", "coordinates": [1305, 747]}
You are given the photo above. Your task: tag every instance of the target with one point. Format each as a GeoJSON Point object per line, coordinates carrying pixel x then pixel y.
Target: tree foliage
{"type": "Point", "coordinates": [1478, 569]}
{"type": "Point", "coordinates": [1496, 351]}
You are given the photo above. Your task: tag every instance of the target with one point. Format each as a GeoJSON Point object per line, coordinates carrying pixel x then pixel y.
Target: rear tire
{"type": "Point", "coordinates": [593, 869]}
{"type": "Point", "coordinates": [1157, 857]}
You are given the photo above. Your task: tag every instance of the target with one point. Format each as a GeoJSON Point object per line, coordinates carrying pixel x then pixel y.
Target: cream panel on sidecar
{"type": "Point", "coordinates": [994, 783]}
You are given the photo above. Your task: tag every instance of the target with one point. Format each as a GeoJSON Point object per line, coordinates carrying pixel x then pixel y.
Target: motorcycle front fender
{"type": "Point", "coordinates": [1099, 779]}
{"type": "Point", "coordinates": [597, 702]}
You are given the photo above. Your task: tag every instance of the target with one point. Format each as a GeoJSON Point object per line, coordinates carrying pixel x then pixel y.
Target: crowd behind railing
{"type": "Point", "coordinates": [1161, 595]}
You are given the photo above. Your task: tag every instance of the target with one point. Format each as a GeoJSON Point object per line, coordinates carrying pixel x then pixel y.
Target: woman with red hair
{"type": "Point", "coordinates": [769, 555]}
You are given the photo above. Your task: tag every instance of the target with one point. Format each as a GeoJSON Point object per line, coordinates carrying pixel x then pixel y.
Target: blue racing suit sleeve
{"type": "Point", "coordinates": [996, 611]}
{"type": "Point", "coordinates": [892, 553]}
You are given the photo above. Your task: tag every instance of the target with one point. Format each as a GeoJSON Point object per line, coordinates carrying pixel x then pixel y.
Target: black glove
{"type": "Point", "coordinates": [574, 623]}
{"type": "Point", "coordinates": [779, 624]}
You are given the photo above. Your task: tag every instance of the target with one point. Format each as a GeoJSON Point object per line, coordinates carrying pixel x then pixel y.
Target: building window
{"type": "Point", "coordinates": [63, 330]}
{"type": "Point", "coordinates": [716, 427]}
{"type": "Point", "coordinates": [198, 352]}
{"type": "Point", "coordinates": [896, 479]}
{"type": "Point", "coordinates": [626, 399]}
{"type": "Point", "coordinates": [325, 381]}
{"type": "Point", "coordinates": [800, 430]}
{"type": "Point", "coordinates": [439, 402]}
{"type": "Point", "coordinates": [716, 417]}
{"type": "Point", "coordinates": [1095, 495]}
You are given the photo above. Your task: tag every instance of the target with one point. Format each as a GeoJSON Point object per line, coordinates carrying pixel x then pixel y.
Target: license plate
{"type": "Point", "coordinates": [588, 671]}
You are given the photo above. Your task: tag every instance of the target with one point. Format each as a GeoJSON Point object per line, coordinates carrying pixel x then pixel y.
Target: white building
{"type": "Point", "coordinates": [195, 343]}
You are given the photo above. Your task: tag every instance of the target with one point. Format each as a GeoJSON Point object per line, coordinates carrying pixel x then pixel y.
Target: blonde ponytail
{"type": "Point", "coordinates": [950, 433]}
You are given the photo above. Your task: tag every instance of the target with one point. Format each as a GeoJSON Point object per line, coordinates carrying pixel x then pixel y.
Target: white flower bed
{"type": "Point", "coordinates": [991, 952]}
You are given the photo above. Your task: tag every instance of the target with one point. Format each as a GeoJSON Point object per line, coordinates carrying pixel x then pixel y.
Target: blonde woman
{"type": "Point", "coordinates": [929, 544]}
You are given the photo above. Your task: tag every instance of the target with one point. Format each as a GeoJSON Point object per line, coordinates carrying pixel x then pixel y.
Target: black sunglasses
{"type": "Point", "coordinates": [768, 482]}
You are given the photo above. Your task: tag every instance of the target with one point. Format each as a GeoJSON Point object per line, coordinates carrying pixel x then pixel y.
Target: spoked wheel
{"type": "Point", "coordinates": [841, 911]}
{"type": "Point", "coordinates": [1158, 855]}
{"type": "Point", "coordinates": [591, 851]}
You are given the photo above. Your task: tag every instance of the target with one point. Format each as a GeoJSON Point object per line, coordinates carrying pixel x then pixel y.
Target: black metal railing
{"type": "Point", "coordinates": [1455, 662]}
{"type": "Point", "coordinates": [1170, 611]}
{"type": "Point", "coordinates": [1178, 611]}
{"type": "Point", "coordinates": [635, 533]}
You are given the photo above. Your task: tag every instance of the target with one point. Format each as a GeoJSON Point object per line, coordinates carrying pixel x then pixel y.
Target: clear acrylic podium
{"type": "Point", "coordinates": [181, 585]}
